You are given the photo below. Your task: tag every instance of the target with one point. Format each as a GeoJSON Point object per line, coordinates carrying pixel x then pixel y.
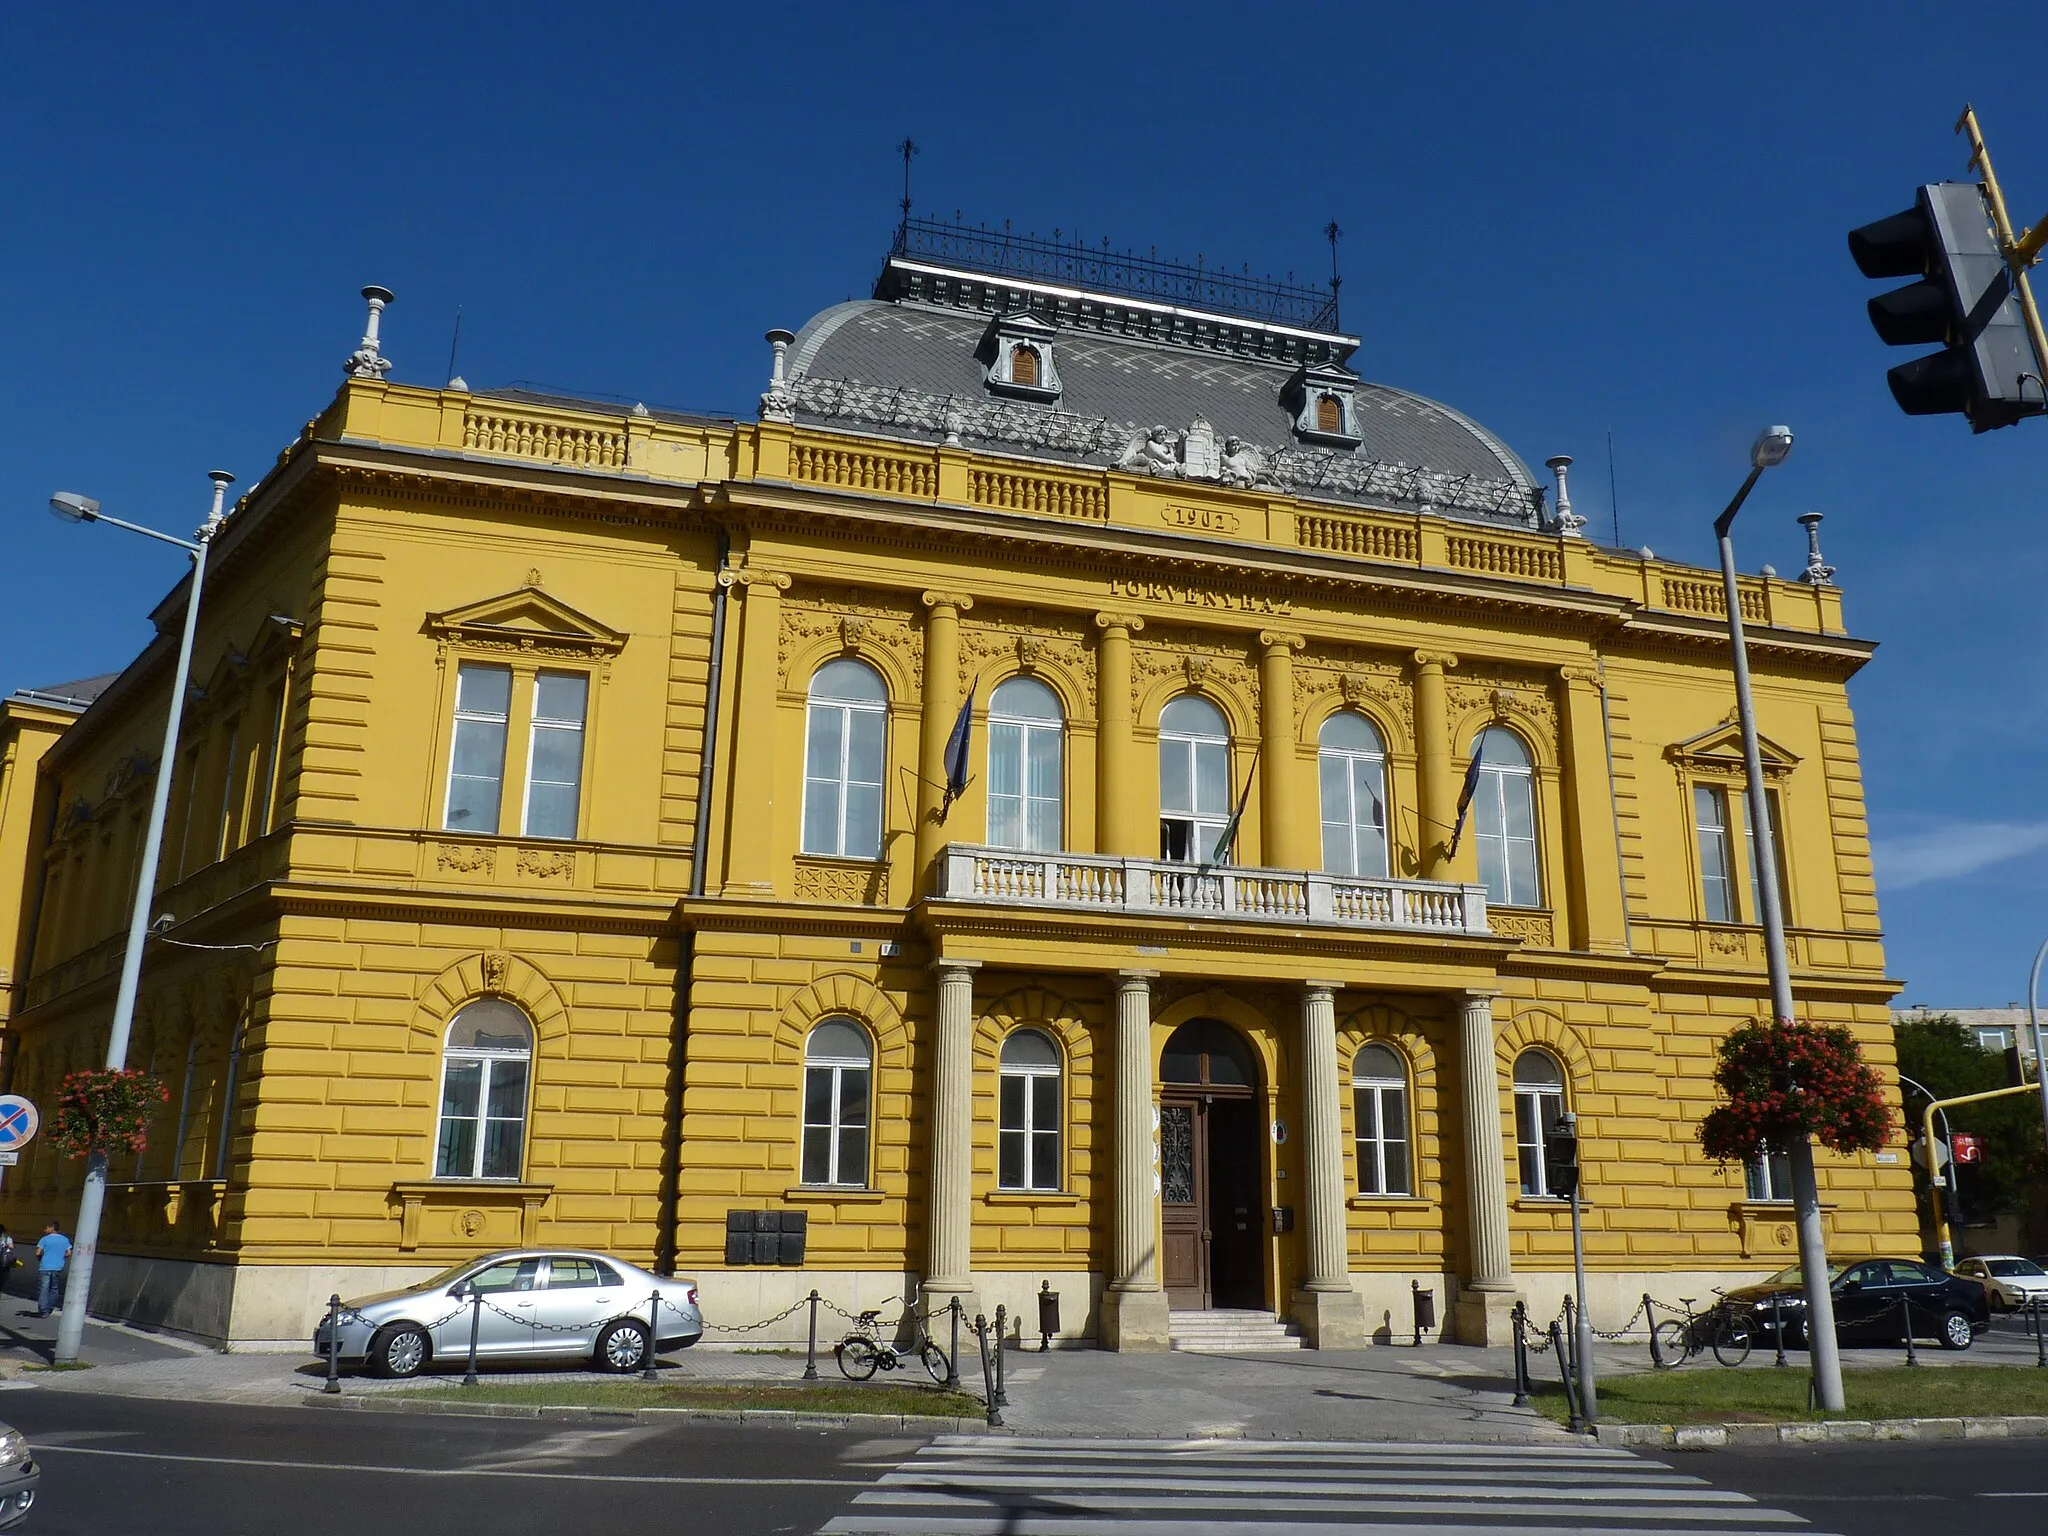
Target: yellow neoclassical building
{"type": "Point", "coordinates": [994, 819]}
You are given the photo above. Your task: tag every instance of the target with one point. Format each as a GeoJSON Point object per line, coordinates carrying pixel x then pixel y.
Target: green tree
{"type": "Point", "coordinates": [1940, 1053]}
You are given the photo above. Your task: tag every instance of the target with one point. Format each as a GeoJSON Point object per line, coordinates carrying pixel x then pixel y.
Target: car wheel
{"type": "Point", "coordinates": [399, 1350]}
{"type": "Point", "coordinates": [1955, 1331]}
{"type": "Point", "coordinates": [623, 1346]}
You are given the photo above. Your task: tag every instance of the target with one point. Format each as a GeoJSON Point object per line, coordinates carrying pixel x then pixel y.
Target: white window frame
{"type": "Point", "coordinates": [1372, 1148]}
{"type": "Point", "coordinates": [542, 723]}
{"type": "Point", "coordinates": [478, 717]}
{"type": "Point", "coordinates": [835, 1068]}
{"type": "Point", "coordinates": [1027, 727]}
{"type": "Point", "coordinates": [812, 843]}
{"type": "Point", "coordinates": [1352, 828]}
{"type": "Point", "coordinates": [1030, 1074]}
{"type": "Point", "coordinates": [1206, 826]}
{"type": "Point", "coordinates": [1756, 896]}
{"type": "Point", "coordinates": [1542, 1104]}
{"type": "Point", "coordinates": [1490, 821]}
{"type": "Point", "coordinates": [493, 1059]}
{"type": "Point", "coordinates": [1722, 837]}
{"type": "Point", "coordinates": [1768, 1180]}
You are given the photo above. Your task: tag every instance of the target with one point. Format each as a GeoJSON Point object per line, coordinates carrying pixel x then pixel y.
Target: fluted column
{"type": "Point", "coordinates": [1117, 826]}
{"type": "Point", "coordinates": [1134, 1313]}
{"type": "Point", "coordinates": [1490, 1281]}
{"type": "Point", "coordinates": [949, 1256]}
{"type": "Point", "coordinates": [1330, 1312]}
{"type": "Point", "coordinates": [935, 723]}
{"type": "Point", "coordinates": [1438, 779]}
{"type": "Point", "coordinates": [750, 830]}
{"type": "Point", "coordinates": [1594, 894]}
{"type": "Point", "coordinates": [1286, 822]}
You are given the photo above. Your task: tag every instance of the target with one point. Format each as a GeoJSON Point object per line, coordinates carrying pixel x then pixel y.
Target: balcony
{"type": "Point", "coordinates": [1085, 882]}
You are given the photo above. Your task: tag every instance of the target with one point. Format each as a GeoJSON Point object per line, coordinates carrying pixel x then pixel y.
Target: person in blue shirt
{"type": "Point", "coordinates": [53, 1252]}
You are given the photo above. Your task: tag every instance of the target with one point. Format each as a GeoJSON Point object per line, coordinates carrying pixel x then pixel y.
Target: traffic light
{"type": "Point", "coordinates": [2015, 1068]}
{"type": "Point", "coordinates": [1561, 1157]}
{"type": "Point", "coordinates": [1963, 299]}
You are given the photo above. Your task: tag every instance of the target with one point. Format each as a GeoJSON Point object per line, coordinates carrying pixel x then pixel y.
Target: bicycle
{"type": "Point", "coordinates": [1729, 1334]}
{"type": "Point", "coordinates": [864, 1351]}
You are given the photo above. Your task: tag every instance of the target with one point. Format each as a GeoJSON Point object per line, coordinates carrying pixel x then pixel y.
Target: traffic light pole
{"type": "Point", "coordinates": [1948, 1252]}
{"type": "Point", "coordinates": [2020, 253]}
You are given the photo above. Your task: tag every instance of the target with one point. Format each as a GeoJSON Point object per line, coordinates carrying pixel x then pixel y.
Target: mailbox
{"type": "Point", "coordinates": [1425, 1310]}
{"type": "Point", "coordinates": [1283, 1218]}
{"type": "Point", "coordinates": [1048, 1315]}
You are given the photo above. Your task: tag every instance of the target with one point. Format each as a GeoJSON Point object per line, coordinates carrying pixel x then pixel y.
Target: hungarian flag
{"type": "Point", "coordinates": [957, 755]}
{"type": "Point", "coordinates": [1465, 801]}
{"type": "Point", "coordinates": [1226, 843]}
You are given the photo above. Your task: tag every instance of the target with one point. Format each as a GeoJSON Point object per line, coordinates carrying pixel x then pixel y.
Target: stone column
{"type": "Point", "coordinates": [750, 827]}
{"type": "Point", "coordinates": [1285, 821]}
{"type": "Point", "coordinates": [1485, 1305]}
{"type": "Point", "coordinates": [1594, 894]}
{"type": "Point", "coordinates": [935, 725]}
{"type": "Point", "coordinates": [1117, 829]}
{"type": "Point", "coordinates": [1330, 1312]}
{"type": "Point", "coordinates": [1437, 778]}
{"type": "Point", "coordinates": [1134, 1314]}
{"type": "Point", "coordinates": [949, 1255]}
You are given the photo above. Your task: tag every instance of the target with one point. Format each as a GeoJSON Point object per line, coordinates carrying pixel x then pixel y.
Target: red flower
{"type": "Point", "coordinates": [99, 1110]}
{"type": "Point", "coordinates": [1786, 1082]}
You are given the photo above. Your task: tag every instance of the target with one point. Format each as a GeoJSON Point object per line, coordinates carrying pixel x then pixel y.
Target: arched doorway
{"type": "Point", "coordinates": [1211, 1169]}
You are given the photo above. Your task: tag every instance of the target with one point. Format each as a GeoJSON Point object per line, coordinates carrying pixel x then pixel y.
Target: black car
{"type": "Point", "coordinates": [1874, 1300]}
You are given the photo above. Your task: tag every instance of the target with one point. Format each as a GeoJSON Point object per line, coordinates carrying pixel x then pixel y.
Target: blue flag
{"type": "Point", "coordinates": [957, 752]}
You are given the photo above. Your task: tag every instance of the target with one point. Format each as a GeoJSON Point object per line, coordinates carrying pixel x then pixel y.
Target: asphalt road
{"type": "Point", "coordinates": [114, 1466]}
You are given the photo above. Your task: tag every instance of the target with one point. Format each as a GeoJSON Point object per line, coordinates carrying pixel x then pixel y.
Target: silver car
{"type": "Point", "coordinates": [526, 1302]}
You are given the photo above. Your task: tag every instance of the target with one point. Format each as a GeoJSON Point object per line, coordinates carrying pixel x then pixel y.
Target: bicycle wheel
{"type": "Point", "coordinates": [934, 1361]}
{"type": "Point", "coordinates": [1732, 1341]}
{"type": "Point", "coordinates": [1669, 1337]}
{"type": "Point", "coordinates": [858, 1358]}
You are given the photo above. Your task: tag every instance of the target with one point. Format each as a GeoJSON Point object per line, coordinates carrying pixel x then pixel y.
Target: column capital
{"type": "Point", "coordinates": [1130, 980]}
{"type": "Point", "coordinates": [779, 580]}
{"type": "Point", "coordinates": [1281, 640]}
{"type": "Point", "coordinates": [1443, 659]}
{"type": "Point", "coordinates": [959, 602]}
{"type": "Point", "coordinates": [1580, 674]}
{"type": "Point", "coordinates": [1470, 995]}
{"type": "Point", "coordinates": [943, 966]}
{"type": "Point", "coordinates": [1330, 988]}
{"type": "Point", "coordinates": [1130, 623]}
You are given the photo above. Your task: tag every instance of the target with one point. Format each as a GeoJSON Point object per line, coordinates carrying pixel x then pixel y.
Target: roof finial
{"type": "Point", "coordinates": [906, 149]}
{"type": "Point", "coordinates": [1331, 232]}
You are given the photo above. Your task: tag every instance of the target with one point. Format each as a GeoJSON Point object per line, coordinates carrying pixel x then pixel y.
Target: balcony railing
{"type": "Point", "coordinates": [1152, 887]}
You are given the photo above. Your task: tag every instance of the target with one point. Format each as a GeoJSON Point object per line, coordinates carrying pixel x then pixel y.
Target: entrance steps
{"type": "Point", "coordinates": [1228, 1332]}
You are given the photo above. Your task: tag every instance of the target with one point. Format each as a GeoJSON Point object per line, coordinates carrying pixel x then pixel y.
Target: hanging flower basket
{"type": "Point", "coordinates": [1785, 1082]}
{"type": "Point", "coordinates": [100, 1110]}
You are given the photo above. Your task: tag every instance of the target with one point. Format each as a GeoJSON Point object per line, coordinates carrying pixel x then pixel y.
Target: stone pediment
{"type": "Point", "coordinates": [527, 619]}
{"type": "Point", "coordinates": [1718, 751]}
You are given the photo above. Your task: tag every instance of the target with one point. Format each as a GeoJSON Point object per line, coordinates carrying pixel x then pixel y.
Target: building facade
{"type": "Point", "coordinates": [1085, 789]}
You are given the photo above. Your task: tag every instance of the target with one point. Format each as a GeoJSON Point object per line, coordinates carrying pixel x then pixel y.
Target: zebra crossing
{"type": "Point", "coordinates": [967, 1485]}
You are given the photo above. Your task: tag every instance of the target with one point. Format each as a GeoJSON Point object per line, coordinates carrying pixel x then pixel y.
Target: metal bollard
{"type": "Point", "coordinates": [1002, 1342]}
{"type": "Point", "coordinates": [333, 1344]}
{"type": "Point", "coordinates": [988, 1384]}
{"type": "Point", "coordinates": [1571, 1333]}
{"type": "Point", "coordinates": [811, 1355]}
{"type": "Point", "coordinates": [1048, 1315]}
{"type": "Point", "coordinates": [1777, 1330]}
{"type": "Point", "coordinates": [2040, 1343]}
{"type": "Point", "coordinates": [653, 1333]}
{"type": "Point", "coordinates": [1650, 1316]}
{"type": "Point", "coordinates": [953, 1359]}
{"type": "Point", "coordinates": [1564, 1373]}
{"type": "Point", "coordinates": [1521, 1319]}
{"type": "Point", "coordinates": [476, 1322]}
{"type": "Point", "coordinates": [1906, 1327]}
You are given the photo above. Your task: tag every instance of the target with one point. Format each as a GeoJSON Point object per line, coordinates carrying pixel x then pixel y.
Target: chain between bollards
{"type": "Point", "coordinates": [811, 1354]}
{"type": "Point", "coordinates": [988, 1381]}
{"type": "Point", "coordinates": [476, 1322]}
{"type": "Point", "coordinates": [647, 1371]}
{"type": "Point", "coordinates": [333, 1344]}
{"type": "Point", "coordinates": [1906, 1327]}
{"type": "Point", "coordinates": [1564, 1373]}
{"type": "Point", "coordinates": [1002, 1335]}
{"type": "Point", "coordinates": [1521, 1318]}
{"type": "Point", "coordinates": [953, 1356]}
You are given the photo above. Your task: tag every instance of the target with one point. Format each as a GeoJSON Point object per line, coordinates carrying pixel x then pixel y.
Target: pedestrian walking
{"type": "Point", "coordinates": [53, 1252]}
{"type": "Point", "coordinates": [7, 1255]}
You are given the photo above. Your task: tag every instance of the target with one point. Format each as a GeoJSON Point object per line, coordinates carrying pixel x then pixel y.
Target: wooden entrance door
{"type": "Point", "coordinates": [1211, 1171]}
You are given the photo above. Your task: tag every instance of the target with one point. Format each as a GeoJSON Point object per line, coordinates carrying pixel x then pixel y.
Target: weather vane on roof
{"type": "Point", "coordinates": [1331, 232]}
{"type": "Point", "coordinates": [906, 149]}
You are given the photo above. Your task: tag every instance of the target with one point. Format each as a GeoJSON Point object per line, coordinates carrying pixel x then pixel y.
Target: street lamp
{"type": "Point", "coordinates": [2034, 1027]}
{"type": "Point", "coordinates": [1770, 449]}
{"type": "Point", "coordinates": [74, 508]}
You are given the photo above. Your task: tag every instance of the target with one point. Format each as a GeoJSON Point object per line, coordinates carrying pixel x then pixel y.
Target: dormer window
{"type": "Point", "coordinates": [1017, 357]}
{"type": "Point", "coordinates": [1322, 401]}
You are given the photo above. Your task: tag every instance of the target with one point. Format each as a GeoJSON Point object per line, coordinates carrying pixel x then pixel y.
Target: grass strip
{"type": "Point", "coordinates": [824, 1397]}
{"type": "Point", "coordinates": [1772, 1396]}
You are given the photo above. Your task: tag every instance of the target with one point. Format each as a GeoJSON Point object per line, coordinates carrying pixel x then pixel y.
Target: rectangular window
{"type": "Point", "coordinates": [476, 756]}
{"type": "Point", "coordinates": [836, 1125]}
{"type": "Point", "coordinates": [1028, 1135]}
{"type": "Point", "coordinates": [554, 761]}
{"type": "Point", "coordinates": [483, 1118]}
{"type": "Point", "coordinates": [1770, 1177]}
{"type": "Point", "coordinates": [1710, 822]}
{"type": "Point", "coordinates": [263, 791]}
{"type": "Point", "coordinates": [1381, 1113]}
{"type": "Point", "coordinates": [1535, 1112]}
{"type": "Point", "coordinates": [1756, 903]}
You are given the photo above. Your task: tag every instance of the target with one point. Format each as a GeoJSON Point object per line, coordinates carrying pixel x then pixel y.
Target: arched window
{"type": "Point", "coordinates": [1329, 414]}
{"type": "Point", "coordinates": [1379, 1100]}
{"type": "Point", "coordinates": [849, 714]}
{"type": "Point", "coordinates": [484, 1074]}
{"type": "Point", "coordinates": [838, 1072]}
{"type": "Point", "coordinates": [1539, 1100]}
{"type": "Point", "coordinates": [1504, 819]}
{"type": "Point", "coordinates": [1028, 1114]}
{"type": "Point", "coordinates": [1353, 760]}
{"type": "Point", "coordinates": [1024, 768]}
{"type": "Point", "coordinates": [1024, 366]}
{"type": "Point", "coordinates": [1194, 779]}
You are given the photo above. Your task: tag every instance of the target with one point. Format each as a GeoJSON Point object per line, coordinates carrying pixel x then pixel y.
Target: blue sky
{"type": "Point", "coordinates": [1562, 219]}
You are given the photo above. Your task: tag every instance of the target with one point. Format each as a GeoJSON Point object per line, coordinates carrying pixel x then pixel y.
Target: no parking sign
{"type": "Point", "coordinates": [18, 1125]}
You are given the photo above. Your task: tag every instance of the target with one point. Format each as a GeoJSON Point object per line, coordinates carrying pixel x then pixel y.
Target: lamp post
{"type": "Point", "coordinates": [1770, 449]}
{"type": "Point", "coordinates": [2034, 1026]}
{"type": "Point", "coordinates": [92, 1202]}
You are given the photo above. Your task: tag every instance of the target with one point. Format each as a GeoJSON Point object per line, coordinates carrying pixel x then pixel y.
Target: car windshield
{"type": "Point", "coordinates": [2004, 1268]}
{"type": "Point", "coordinates": [447, 1276]}
{"type": "Point", "coordinates": [1791, 1276]}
